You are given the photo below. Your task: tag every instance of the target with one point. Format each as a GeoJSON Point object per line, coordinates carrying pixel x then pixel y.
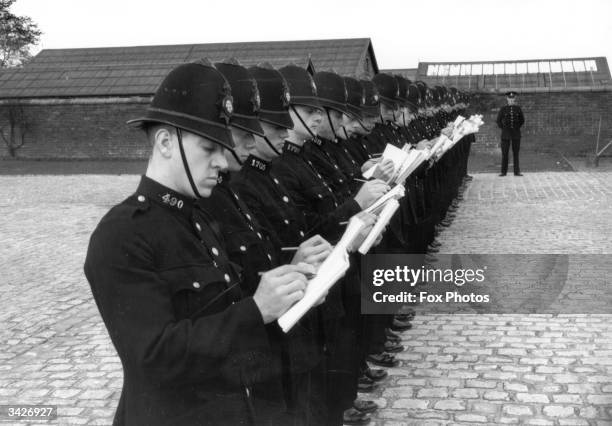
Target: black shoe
{"type": "Point", "coordinates": [376, 374]}
{"type": "Point", "coordinates": [366, 385]}
{"type": "Point", "coordinates": [392, 347]}
{"type": "Point", "coordinates": [502, 174]}
{"type": "Point", "coordinates": [382, 360]}
{"type": "Point", "coordinates": [365, 406]}
{"type": "Point", "coordinates": [405, 313]}
{"type": "Point", "coordinates": [392, 336]}
{"type": "Point", "coordinates": [398, 325]}
{"type": "Point", "coordinates": [518, 174]}
{"type": "Point", "coordinates": [352, 416]}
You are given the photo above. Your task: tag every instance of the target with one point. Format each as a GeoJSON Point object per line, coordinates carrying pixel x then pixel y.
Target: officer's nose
{"type": "Point", "coordinates": [219, 160]}
{"type": "Point", "coordinates": [250, 142]}
{"type": "Point", "coordinates": [283, 134]}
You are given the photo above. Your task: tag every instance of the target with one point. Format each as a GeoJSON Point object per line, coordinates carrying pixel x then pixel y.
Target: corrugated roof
{"type": "Point", "coordinates": [124, 71]}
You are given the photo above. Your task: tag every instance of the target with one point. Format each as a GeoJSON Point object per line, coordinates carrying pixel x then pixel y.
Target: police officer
{"type": "Point", "coordinates": [191, 346]}
{"type": "Point", "coordinates": [252, 246]}
{"type": "Point", "coordinates": [510, 119]}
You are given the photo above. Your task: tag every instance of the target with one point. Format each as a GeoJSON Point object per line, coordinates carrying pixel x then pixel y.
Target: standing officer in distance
{"type": "Point", "coordinates": [510, 119]}
{"type": "Point", "coordinates": [191, 346]}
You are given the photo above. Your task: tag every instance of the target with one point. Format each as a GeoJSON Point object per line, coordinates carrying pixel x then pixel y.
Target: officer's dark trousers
{"type": "Point", "coordinates": [505, 147]}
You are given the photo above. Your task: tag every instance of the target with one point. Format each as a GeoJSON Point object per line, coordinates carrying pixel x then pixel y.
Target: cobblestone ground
{"type": "Point", "coordinates": [480, 369]}
{"type": "Point", "coordinates": [514, 369]}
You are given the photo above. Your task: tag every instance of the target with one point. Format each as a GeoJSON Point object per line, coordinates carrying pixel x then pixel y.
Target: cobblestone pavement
{"type": "Point", "coordinates": [514, 369]}
{"type": "Point", "coordinates": [468, 369]}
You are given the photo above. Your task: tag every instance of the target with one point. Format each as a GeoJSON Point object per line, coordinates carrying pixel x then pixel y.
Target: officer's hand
{"type": "Point", "coordinates": [369, 220]}
{"type": "Point", "coordinates": [369, 164]}
{"type": "Point", "coordinates": [370, 192]}
{"type": "Point", "coordinates": [423, 144]}
{"type": "Point", "coordinates": [280, 288]}
{"type": "Point", "coordinates": [448, 130]}
{"type": "Point", "coordinates": [312, 251]}
{"type": "Point", "coordinates": [384, 170]}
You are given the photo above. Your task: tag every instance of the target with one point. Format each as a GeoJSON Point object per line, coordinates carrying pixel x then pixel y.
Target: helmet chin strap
{"type": "Point", "coordinates": [185, 164]}
{"type": "Point", "coordinates": [331, 126]}
{"type": "Point", "coordinates": [271, 146]}
{"type": "Point", "coordinates": [363, 127]}
{"type": "Point", "coordinates": [303, 123]}
{"type": "Point", "coordinates": [404, 118]}
{"type": "Point", "coordinates": [345, 132]}
{"type": "Point", "coordinates": [241, 163]}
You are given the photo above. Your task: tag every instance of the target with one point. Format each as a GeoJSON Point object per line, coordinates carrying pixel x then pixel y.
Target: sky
{"type": "Point", "coordinates": [402, 32]}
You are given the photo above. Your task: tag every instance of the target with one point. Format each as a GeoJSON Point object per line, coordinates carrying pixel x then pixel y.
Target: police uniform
{"type": "Point", "coordinates": [191, 345]}
{"type": "Point", "coordinates": [271, 203]}
{"type": "Point", "coordinates": [510, 119]}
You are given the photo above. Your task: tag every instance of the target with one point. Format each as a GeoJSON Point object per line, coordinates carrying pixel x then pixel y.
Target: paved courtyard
{"type": "Point", "coordinates": [468, 369]}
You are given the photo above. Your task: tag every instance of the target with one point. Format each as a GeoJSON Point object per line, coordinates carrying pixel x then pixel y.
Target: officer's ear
{"type": "Point", "coordinates": [164, 141]}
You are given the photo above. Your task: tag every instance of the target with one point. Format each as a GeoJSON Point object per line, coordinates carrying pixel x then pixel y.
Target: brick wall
{"type": "Point", "coordinates": [93, 129]}
{"type": "Point", "coordinates": [566, 122]}
{"type": "Point", "coordinates": [96, 129]}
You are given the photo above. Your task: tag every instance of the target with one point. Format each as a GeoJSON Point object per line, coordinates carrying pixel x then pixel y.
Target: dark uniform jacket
{"type": "Point", "coordinates": [510, 119]}
{"type": "Point", "coordinates": [312, 195]}
{"type": "Point", "coordinates": [248, 243]}
{"type": "Point", "coordinates": [358, 148]}
{"type": "Point", "coordinates": [271, 203]}
{"type": "Point", "coordinates": [191, 346]}
{"type": "Point", "coordinates": [327, 166]}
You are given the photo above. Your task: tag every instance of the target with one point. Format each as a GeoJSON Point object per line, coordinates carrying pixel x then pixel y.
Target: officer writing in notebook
{"type": "Point", "coordinates": [191, 345]}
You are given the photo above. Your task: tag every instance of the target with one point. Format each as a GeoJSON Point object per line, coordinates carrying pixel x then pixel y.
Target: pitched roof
{"type": "Point", "coordinates": [409, 73]}
{"type": "Point", "coordinates": [125, 71]}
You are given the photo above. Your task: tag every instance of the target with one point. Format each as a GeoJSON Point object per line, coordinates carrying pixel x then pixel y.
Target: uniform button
{"type": "Point", "coordinates": [276, 181]}
{"type": "Point", "coordinates": [196, 284]}
{"type": "Point", "coordinates": [227, 278]}
{"type": "Point", "coordinates": [235, 196]}
{"type": "Point", "coordinates": [141, 198]}
{"type": "Point", "coordinates": [341, 180]}
{"type": "Point", "coordinates": [215, 251]}
{"type": "Point", "coordinates": [248, 216]}
{"type": "Point", "coordinates": [335, 166]}
{"type": "Point", "coordinates": [198, 227]}
{"type": "Point", "coordinates": [242, 248]}
{"type": "Point", "coordinates": [301, 233]}
{"type": "Point", "coordinates": [286, 222]}
{"type": "Point", "coordinates": [285, 199]}
{"type": "Point", "coordinates": [269, 257]}
{"type": "Point", "coordinates": [259, 235]}
{"type": "Point", "coordinates": [320, 195]}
